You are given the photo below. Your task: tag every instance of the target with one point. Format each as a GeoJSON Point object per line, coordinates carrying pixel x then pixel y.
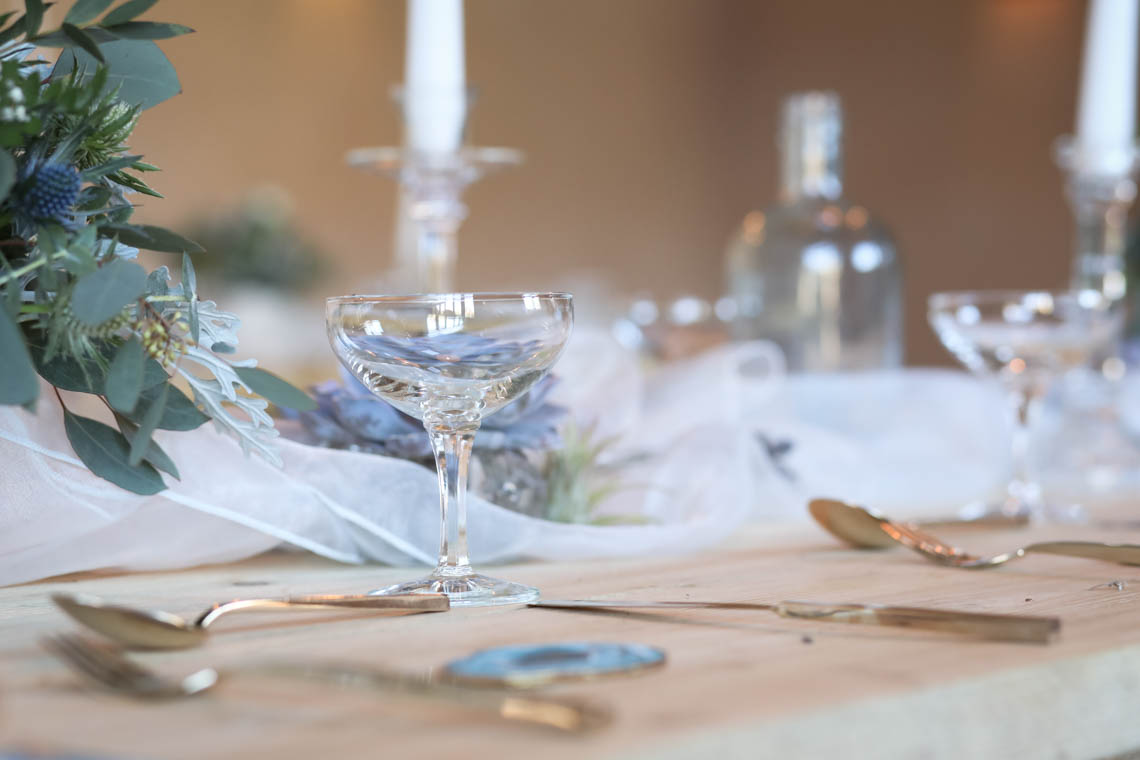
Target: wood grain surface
{"type": "Point", "coordinates": [737, 683]}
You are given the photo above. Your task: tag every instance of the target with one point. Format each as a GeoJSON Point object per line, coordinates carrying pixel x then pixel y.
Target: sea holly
{"type": "Point", "coordinates": [77, 311]}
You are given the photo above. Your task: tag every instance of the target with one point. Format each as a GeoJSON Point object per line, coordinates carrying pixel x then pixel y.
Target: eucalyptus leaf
{"type": "Point", "coordinates": [85, 10]}
{"type": "Point", "coordinates": [147, 30]}
{"type": "Point", "coordinates": [153, 374]}
{"type": "Point", "coordinates": [189, 278]}
{"type": "Point", "coordinates": [79, 262]}
{"type": "Point", "coordinates": [153, 453]}
{"type": "Point", "coordinates": [127, 11]}
{"type": "Point", "coordinates": [125, 376]}
{"type": "Point", "coordinates": [106, 453]}
{"type": "Point", "coordinates": [13, 297]}
{"type": "Point", "coordinates": [33, 16]}
{"type": "Point", "coordinates": [7, 173]}
{"type": "Point", "coordinates": [83, 40]}
{"type": "Point", "coordinates": [148, 423]}
{"type": "Point", "coordinates": [14, 31]}
{"type": "Point", "coordinates": [66, 372]}
{"type": "Point", "coordinates": [18, 381]}
{"type": "Point", "coordinates": [152, 238]}
{"type": "Point", "coordinates": [52, 238]}
{"type": "Point", "coordinates": [140, 70]}
{"type": "Point", "coordinates": [60, 39]}
{"type": "Point", "coordinates": [271, 387]}
{"type": "Point", "coordinates": [178, 414]}
{"type": "Point", "coordinates": [101, 295]}
{"type": "Point", "coordinates": [222, 348]}
{"type": "Point", "coordinates": [161, 460]}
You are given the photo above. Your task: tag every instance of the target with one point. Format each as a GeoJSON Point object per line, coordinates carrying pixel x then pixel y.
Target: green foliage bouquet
{"type": "Point", "coordinates": [76, 309]}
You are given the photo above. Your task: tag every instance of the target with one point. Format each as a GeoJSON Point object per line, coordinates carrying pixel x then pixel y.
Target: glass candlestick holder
{"type": "Point", "coordinates": [1100, 185]}
{"type": "Point", "coordinates": [434, 176]}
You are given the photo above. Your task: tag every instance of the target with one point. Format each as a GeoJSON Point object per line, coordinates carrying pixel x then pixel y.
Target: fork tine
{"type": "Point", "coordinates": [80, 662]}
{"type": "Point", "coordinates": [111, 668]}
{"type": "Point", "coordinates": [112, 658]}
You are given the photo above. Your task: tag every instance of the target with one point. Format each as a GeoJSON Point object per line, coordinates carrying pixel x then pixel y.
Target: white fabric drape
{"type": "Point", "coordinates": [906, 442]}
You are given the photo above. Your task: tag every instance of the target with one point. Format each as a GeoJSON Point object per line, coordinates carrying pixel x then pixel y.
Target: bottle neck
{"type": "Point", "coordinates": [811, 148]}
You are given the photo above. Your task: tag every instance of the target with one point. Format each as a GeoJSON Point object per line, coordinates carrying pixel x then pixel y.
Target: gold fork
{"type": "Point", "coordinates": [107, 667]}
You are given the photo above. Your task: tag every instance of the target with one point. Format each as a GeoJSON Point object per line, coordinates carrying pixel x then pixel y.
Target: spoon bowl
{"type": "Point", "coordinates": [134, 628]}
{"type": "Point", "coordinates": [857, 526]}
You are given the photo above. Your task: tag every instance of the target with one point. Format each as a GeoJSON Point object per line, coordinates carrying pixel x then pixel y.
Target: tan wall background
{"type": "Point", "coordinates": [649, 127]}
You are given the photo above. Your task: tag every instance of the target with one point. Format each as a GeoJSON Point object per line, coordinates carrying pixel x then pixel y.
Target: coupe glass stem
{"type": "Point", "coordinates": [1023, 492]}
{"type": "Point", "coordinates": [452, 454]}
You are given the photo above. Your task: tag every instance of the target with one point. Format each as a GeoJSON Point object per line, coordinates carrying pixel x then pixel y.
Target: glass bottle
{"type": "Point", "coordinates": [816, 274]}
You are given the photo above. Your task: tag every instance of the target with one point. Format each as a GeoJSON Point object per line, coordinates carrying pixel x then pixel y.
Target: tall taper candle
{"type": "Point", "coordinates": [434, 75]}
{"type": "Point", "coordinates": [1106, 116]}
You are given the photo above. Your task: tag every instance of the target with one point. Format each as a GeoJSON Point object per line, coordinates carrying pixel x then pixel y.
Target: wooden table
{"type": "Point", "coordinates": [737, 684]}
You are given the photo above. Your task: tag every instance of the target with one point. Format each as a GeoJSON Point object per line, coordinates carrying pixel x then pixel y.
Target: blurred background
{"type": "Point", "coordinates": [650, 129]}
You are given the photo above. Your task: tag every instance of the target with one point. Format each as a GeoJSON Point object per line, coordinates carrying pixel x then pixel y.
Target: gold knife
{"type": "Point", "coordinates": [982, 625]}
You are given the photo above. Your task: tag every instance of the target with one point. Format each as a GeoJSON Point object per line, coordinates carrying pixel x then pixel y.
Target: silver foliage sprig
{"type": "Point", "coordinates": [220, 392]}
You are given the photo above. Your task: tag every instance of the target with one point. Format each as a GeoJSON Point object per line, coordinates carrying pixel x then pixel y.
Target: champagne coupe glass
{"type": "Point", "coordinates": [1026, 339]}
{"type": "Point", "coordinates": [450, 360]}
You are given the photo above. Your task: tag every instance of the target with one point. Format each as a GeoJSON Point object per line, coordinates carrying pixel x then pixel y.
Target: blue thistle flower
{"type": "Point", "coordinates": [54, 190]}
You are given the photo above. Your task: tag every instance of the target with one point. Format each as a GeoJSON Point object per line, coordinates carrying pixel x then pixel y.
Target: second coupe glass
{"type": "Point", "coordinates": [1026, 339]}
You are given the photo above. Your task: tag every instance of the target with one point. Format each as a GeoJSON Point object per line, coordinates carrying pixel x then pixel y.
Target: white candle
{"type": "Point", "coordinates": [1106, 116]}
{"type": "Point", "coordinates": [434, 75]}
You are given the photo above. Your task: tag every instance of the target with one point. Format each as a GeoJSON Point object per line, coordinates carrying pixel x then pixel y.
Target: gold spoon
{"type": "Point", "coordinates": [851, 524]}
{"type": "Point", "coordinates": [155, 629]}
{"type": "Point", "coordinates": [857, 526]}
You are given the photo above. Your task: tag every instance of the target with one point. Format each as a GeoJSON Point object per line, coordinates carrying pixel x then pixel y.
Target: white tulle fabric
{"type": "Point", "coordinates": [907, 442]}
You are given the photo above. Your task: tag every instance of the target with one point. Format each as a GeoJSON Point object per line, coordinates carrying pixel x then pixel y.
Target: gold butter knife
{"type": "Point", "coordinates": [981, 625]}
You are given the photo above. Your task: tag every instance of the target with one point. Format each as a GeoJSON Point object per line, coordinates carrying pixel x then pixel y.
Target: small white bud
{"type": "Point", "coordinates": [16, 95]}
{"type": "Point", "coordinates": [7, 113]}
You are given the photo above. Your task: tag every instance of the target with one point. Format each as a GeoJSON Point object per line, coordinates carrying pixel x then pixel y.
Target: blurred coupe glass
{"type": "Point", "coordinates": [1026, 339]}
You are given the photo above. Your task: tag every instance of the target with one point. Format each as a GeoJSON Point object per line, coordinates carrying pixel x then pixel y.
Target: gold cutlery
{"type": "Point", "coordinates": [1019, 628]}
{"type": "Point", "coordinates": [105, 667]}
{"type": "Point", "coordinates": [155, 629]}
{"type": "Point", "coordinates": [861, 527]}
{"type": "Point", "coordinates": [108, 668]}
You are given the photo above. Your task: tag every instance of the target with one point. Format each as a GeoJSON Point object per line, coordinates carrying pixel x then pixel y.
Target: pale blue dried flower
{"type": "Point", "coordinates": [347, 415]}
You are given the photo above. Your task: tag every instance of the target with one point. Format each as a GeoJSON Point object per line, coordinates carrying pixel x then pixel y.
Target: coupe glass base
{"type": "Point", "coordinates": [472, 590]}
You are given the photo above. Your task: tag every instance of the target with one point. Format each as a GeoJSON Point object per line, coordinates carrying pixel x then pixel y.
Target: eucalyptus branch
{"type": "Point", "coordinates": [32, 266]}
